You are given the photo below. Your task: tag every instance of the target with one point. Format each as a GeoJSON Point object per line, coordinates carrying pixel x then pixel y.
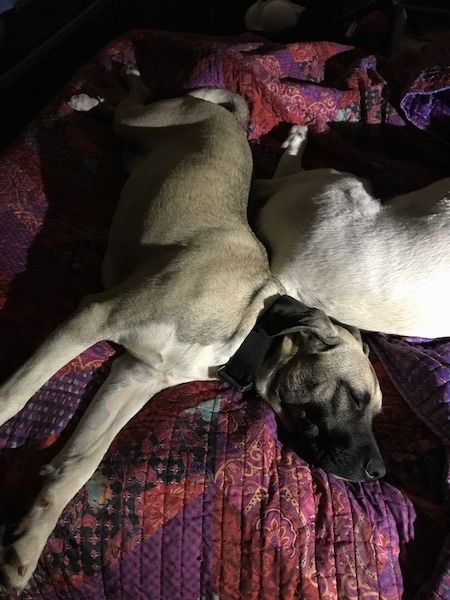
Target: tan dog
{"type": "Point", "coordinates": [381, 267]}
{"type": "Point", "coordinates": [186, 281]}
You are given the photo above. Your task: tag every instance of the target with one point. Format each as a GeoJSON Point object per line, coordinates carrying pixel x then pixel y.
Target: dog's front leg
{"type": "Point", "coordinates": [129, 386]}
{"type": "Point", "coordinates": [80, 331]}
{"type": "Point", "coordinates": [294, 145]}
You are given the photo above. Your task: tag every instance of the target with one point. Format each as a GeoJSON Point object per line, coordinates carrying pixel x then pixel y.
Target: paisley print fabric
{"type": "Point", "coordinates": [201, 496]}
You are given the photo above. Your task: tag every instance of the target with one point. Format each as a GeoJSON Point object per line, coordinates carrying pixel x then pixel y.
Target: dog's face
{"type": "Point", "coordinates": [321, 384]}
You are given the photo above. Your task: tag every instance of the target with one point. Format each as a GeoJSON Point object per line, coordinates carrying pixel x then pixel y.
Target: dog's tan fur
{"type": "Point", "coordinates": [378, 266]}
{"type": "Point", "coordinates": [186, 280]}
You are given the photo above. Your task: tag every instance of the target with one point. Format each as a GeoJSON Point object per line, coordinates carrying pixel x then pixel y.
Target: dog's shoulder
{"type": "Point", "coordinates": [344, 194]}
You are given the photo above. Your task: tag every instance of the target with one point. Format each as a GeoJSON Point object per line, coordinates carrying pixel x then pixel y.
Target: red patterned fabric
{"type": "Point", "coordinates": [202, 496]}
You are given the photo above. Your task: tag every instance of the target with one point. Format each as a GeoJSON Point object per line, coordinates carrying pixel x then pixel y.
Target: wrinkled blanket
{"type": "Point", "coordinates": [200, 497]}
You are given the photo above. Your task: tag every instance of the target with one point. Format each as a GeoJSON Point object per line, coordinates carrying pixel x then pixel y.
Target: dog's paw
{"type": "Point", "coordinates": [299, 131]}
{"type": "Point", "coordinates": [84, 103]}
{"type": "Point", "coordinates": [14, 572]}
{"type": "Point", "coordinates": [130, 69]}
{"type": "Point", "coordinates": [298, 135]}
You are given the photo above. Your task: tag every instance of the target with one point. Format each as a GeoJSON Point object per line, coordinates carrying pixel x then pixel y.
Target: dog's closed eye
{"type": "Point", "coordinates": [358, 400]}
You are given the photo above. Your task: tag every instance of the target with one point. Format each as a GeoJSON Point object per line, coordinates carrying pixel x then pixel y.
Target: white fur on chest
{"type": "Point", "coordinates": [157, 346]}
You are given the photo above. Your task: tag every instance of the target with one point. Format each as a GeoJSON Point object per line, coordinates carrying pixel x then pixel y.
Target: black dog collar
{"type": "Point", "coordinates": [240, 371]}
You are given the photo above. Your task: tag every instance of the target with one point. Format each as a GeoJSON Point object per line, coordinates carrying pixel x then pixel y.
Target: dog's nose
{"type": "Point", "coordinates": [375, 469]}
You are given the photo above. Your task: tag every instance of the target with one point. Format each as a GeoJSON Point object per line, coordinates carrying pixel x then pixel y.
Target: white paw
{"type": "Point", "coordinates": [298, 135]}
{"type": "Point", "coordinates": [84, 103]}
{"type": "Point", "coordinates": [14, 572]}
{"type": "Point", "coordinates": [130, 70]}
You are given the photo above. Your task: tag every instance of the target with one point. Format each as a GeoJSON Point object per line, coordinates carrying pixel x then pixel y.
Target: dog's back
{"type": "Point", "coordinates": [185, 205]}
{"type": "Point", "coordinates": [378, 266]}
{"type": "Point", "coordinates": [190, 175]}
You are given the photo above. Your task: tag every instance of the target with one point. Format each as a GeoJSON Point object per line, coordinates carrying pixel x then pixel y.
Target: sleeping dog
{"type": "Point", "coordinates": [381, 267]}
{"type": "Point", "coordinates": [190, 296]}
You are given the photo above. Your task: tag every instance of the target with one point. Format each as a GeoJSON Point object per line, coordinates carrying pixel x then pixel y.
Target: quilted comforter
{"type": "Point", "coordinates": [200, 497]}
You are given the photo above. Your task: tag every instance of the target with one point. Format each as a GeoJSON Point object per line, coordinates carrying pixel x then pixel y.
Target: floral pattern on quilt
{"type": "Point", "coordinates": [201, 496]}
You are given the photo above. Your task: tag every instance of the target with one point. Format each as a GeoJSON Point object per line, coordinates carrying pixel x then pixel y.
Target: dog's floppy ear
{"type": "Point", "coordinates": [288, 315]}
{"type": "Point", "coordinates": [356, 333]}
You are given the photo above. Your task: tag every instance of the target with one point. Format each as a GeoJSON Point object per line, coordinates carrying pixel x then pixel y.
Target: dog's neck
{"type": "Point", "coordinates": [241, 369]}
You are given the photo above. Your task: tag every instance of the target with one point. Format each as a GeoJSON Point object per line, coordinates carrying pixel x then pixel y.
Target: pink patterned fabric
{"type": "Point", "coordinates": [425, 101]}
{"type": "Point", "coordinates": [202, 496]}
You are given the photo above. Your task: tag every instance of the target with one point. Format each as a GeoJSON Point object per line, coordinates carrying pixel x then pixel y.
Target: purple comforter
{"type": "Point", "coordinates": [200, 496]}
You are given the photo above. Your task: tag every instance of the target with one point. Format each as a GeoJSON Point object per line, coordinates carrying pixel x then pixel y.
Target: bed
{"type": "Point", "coordinates": [201, 496]}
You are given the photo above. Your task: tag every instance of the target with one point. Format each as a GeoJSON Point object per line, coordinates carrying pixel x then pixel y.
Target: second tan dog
{"type": "Point", "coordinates": [190, 296]}
{"type": "Point", "coordinates": [378, 266]}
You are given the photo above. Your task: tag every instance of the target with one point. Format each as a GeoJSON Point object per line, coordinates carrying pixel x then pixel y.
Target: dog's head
{"type": "Point", "coordinates": [321, 384]}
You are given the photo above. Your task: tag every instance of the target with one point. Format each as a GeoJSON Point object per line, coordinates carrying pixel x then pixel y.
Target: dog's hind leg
{"type": "Point", "coordinates": [234, 103]}
{"type": "Point", "coordinates": [137, 91]}
{"type": "Point", "coordinates": [134, 117]}
{"type": "Point", "coordinates": [295, 144]}
{"type": "Point", "coordinates": [127, 389]}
